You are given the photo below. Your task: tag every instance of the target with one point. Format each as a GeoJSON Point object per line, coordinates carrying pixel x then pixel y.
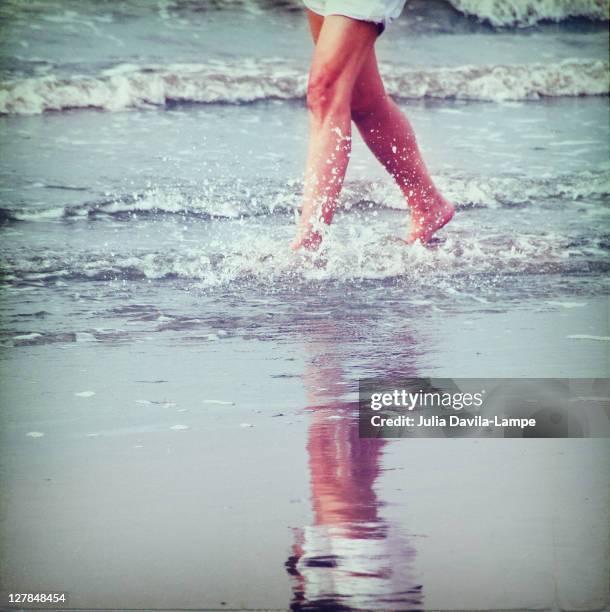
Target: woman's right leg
{"type": "Point", "coordinates": [390, 137]}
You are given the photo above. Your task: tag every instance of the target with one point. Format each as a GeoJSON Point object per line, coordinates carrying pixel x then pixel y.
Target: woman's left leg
{"type": "Point", "coordinates": [342, 46]}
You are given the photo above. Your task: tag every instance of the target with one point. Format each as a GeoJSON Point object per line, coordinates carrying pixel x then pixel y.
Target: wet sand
{"type": "Point", "coordinates": [194, 471]}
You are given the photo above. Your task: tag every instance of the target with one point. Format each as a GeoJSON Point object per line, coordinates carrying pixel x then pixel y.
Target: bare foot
{"type": "Point", "coordinates": [427, 221]}
{"type": "Point", "coordinates": [308, 239]}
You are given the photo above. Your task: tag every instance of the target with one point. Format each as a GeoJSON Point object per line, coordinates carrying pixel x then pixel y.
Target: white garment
{"type": "Point", "coordinates": [378, 11]}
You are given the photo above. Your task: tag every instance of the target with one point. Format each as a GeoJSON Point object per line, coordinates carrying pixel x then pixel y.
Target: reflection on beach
{"type": "Point", "coordinates": [350, 557]}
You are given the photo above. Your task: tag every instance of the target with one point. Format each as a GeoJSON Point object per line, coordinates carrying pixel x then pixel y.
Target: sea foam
{"type": "Point", "coordinates": [232, 202]}
{"type": "Point", "coordinates": [128, 86]}
{"type": "Point", "coordinates": [521, 13]}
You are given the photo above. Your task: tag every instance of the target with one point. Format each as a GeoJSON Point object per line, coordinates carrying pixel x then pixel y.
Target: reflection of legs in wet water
{"type": "Point", "coordinates": [331, 552]}
{"type": "Point", "coordinates": [345, 85]}
{"type": "Point", "coordinates": [343, 469]}
{"type": "Point", "coordinates": [349, 556]}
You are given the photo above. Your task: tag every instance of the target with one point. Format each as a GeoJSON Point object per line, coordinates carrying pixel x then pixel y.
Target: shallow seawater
{"type": "Point", "coordinates": [179, 390]}
{"type": "Point", "coordinates": [530, 193]}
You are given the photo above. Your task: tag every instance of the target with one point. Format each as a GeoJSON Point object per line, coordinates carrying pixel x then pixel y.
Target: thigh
{"type": "Point", "coordinates": [341, 49]}
{"type": "Point", "coordinates": [368, 88]}
{"type": "Point", "coordinates": [315, 24]}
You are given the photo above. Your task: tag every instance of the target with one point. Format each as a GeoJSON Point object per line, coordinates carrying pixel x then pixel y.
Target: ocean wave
{"type": "Point", "coordinates": [502, 13]}
{"type": "Point", "coordinates": [460, 258]}
{"type": "Point", "coordinates": [221, 201]}
{"type": "Point", "coordinates": [128, 86]}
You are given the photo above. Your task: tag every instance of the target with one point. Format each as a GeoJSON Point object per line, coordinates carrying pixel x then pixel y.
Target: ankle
{"type": "Point", "coordinates": [425, 200]}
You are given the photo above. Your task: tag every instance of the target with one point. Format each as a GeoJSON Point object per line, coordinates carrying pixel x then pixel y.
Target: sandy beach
{"type": "Point", "coordinates": [177, 470]}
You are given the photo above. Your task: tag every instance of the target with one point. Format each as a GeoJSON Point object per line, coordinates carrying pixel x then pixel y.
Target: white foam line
{"type": "Point", "coordinates": [27, 336]}
{"type": "Point", "coordinates": [592, 398]}
{"type": "Point", "coordinates": [235, 82]}
{"type": "Point", "coordinates": [567, 304]}
{"type": "Point", "coordinates": [529, 12]}
{"type": "Point", "coordinates": [588, 337]}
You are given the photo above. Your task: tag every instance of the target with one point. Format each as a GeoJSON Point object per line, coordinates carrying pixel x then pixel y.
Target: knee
{"type": "Point", "coordinates": [363, 107]}
{"type": "Point", "coordinates": [324, 94]}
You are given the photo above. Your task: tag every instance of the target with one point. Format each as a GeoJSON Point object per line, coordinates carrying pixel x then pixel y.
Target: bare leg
{"type": "Point", "coordinates": [389, 135]}
{"type": "Point", "coordinates": [342, 46]}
